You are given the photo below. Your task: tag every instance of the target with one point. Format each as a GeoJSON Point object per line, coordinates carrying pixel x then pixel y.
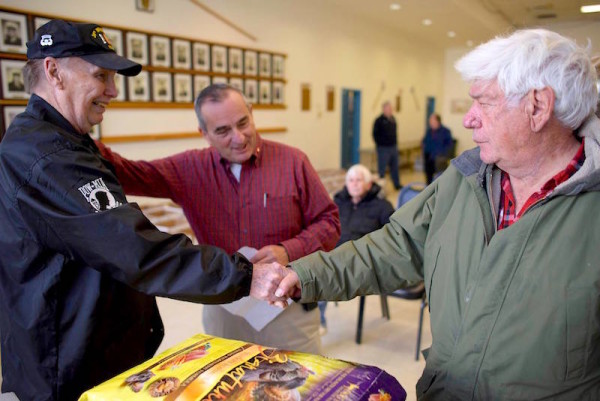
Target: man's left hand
{"type": "Point", "coordinates": [270, 254]}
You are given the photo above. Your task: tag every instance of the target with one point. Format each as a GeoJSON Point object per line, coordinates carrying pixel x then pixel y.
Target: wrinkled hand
{"type": "Point", "coordinates": [265, 280]}
{"type": "Point", "coordinates": [270, 254]}
{"type": "Point", "coordinates": [289, 287]}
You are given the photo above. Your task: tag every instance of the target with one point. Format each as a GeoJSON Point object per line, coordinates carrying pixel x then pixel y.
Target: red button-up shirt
{"type": "Point", "coordinates": [278, 200]}
{"type": "Point", "coordinates": [507, 214]}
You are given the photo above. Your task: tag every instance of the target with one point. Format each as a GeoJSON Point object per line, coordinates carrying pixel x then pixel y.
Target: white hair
{"type": "Point", "coordinates": [359, 169]}
{"type": "Point", "coordinates": [535, 59]}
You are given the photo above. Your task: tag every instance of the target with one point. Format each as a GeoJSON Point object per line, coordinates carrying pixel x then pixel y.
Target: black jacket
{"type": "Point", "coordinates": [384, 131]}
{"type": "Point", "coordinates": [79, 266]}
{"type": "Point", "coordinates": [370, 214]}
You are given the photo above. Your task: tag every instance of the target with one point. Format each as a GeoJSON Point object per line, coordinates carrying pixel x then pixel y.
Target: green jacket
{"type": "Point", "coordinates": [514, 313]}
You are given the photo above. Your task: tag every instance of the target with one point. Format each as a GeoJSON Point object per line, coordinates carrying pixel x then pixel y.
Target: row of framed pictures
{"type": "Point", "coordinates": [156, 86]}
{"type": "Point", "coordinates": [159, 50]}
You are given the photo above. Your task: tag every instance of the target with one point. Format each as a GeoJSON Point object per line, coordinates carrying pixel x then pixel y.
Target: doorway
{"type": "Point", "coordinates": [350, 127]}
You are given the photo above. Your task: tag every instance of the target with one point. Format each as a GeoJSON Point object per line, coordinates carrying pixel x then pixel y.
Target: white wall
{"type": "Point", "coordinates": [325, 46]}
{"type": "Point", "coordinates": [455, 88]}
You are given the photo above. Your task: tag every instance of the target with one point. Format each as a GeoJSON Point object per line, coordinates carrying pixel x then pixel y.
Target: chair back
{"type": "Point", "coordinates": [408, 192]}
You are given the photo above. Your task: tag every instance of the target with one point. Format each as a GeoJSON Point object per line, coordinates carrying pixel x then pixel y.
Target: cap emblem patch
{"type": "Point", "coordinates": [46, 40]}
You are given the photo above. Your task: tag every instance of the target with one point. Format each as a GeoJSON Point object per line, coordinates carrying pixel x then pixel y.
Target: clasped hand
{"type": "Point", "coordinates": [274, 283]}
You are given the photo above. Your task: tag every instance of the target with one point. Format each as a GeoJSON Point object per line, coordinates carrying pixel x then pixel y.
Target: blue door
{"type": "Point", "coordinates": [430, 109]}
{"type": "Point", "coordinates": [350, 127]}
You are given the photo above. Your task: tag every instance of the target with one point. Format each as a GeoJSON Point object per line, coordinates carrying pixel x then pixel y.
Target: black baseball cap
{"type": "Point", "coordinates": [59, 38]}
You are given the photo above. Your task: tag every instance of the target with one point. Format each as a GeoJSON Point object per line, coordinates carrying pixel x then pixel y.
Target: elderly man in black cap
{"type": "Point", "coordinates": [80, 266]}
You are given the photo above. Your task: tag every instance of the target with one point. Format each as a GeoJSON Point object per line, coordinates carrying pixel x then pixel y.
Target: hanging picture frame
{"type": "Point", "coordinates": [278, 66]}
{"type": "Point", "coordinates": [13, 83]}
{"type": "Point", "coordinates": [264, 60]}
{"type": "Point", "coordinates": [138, 87]}
{"type": "Point", "coordinates": [219, 59]}
{"type": "Point", "coordinates": [251, 90]}
{"type": "Point", "coordinates": [235, 61]}
{"type": "Point", "coordinates": [120, 85]}
{"type": "Point", "coordinates": [182, 54]}
{"type": "Point", "coordinates": [13, 33]}
{"type": "Point", "coordinates": [160, 51]}
{"type": "Point", "coordinates": [200, 82]}
{"type": "Point", "coordinates": [250, 63]}
{"type": "Point", "coordinates": [201, 56]}
{"type": "Point", "coordinates": [137, 47]}
{"type": "Point", "coordinates": [162, 87]}
{"type": "Point", "coordinates": [237, 83]}
{"type": "Point", "coordinates": [278, 93]}
{"type": "Point", "coordinates": [265, 92]}
{"type": "Point", "coordinates": [183, 88]}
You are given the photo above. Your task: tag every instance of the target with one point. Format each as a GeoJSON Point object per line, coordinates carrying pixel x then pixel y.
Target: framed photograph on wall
{"type": "Point", "coordinates": [264, 62]}
{"type": "Point", "coordinates": [181, 54]}
{"type": "Point", "coordinates": [13, 84]}
{"type": "Point", "coordinates": [219, 80]}
{"type": "Point", "coordinates": [137, 47]}
{"type": "Point", "coordinates": [278, 95]}
{"type": "Point", "coordinates": [250, 63]}
{"type": "Point", "coordinates": [264, 92]}
{"type": "Point", "coordinates": [138, 87]}
{"type": "Point", "coordinates": [251, 90]}
{"type": "Point", "coordinates": [162, 88]}
{"type": "Point", "coordinates": [95, 132]}
{"type": "Point", "coordinates": [115, 37]}
{"type": "Point", "coordinates": [13, 33]}
{"type": "Point", "coordinates": [219, 59]}
{"type": "Point", "coordinates": [160, 51]}
{"type": "Point", "coordinates": [235, 61]}
{"type": "Point", "coordinates": [200, 82]}
{"type": "Point", "coordinates": [39, 21]}
{"type": "Point", "coordinates": [201, 56]}
{"type": "Point", "coordinates": [120, 84]}
{"type": "Point", "coordinates": [278, 66]}
{"type": "Point", "coordinates": [237, 83]}
{"type": "Point", "coordinates": [183, 87]}
{"type": "Point", "coordinates": [10, 112]}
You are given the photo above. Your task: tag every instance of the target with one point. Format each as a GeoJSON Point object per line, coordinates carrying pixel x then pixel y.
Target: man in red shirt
{"type": "Point", "coordinates": [244, 191]}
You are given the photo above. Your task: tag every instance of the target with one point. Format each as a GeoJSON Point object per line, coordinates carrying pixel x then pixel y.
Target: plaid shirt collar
{"type": "Point", "coordinates": [507, 214]}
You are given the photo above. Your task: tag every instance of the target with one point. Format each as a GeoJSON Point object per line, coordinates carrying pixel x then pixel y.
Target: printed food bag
{"type": "Point", "coordinates": [206, 368]}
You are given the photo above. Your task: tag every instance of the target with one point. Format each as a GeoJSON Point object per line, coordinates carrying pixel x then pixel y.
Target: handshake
{"type": "Point", "coordinates": [274, 283]}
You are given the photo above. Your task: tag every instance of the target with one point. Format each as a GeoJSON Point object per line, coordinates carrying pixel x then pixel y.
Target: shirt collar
{"type": "Point", "coordinates": [44, 111]}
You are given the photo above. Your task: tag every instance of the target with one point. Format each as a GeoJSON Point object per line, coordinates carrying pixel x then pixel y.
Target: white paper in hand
{"type": "Point", "coordinates": [257, 313]}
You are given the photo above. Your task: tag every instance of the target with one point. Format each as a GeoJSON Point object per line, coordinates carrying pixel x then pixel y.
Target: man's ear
{"type": "Point", "coordinates": [540, 107]}
{"type": "Point", "coordinates": [53, 72]}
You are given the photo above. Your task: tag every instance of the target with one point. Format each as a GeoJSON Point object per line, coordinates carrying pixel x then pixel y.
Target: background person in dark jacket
{"type": "Point", "coordinates": [386, 144]}
{"type": "Point", "coordinates": [437, 146]}
{"type": "Point", "coordinates": [79, 266]}
{"type": "Point", "coordinates": [363, 209]}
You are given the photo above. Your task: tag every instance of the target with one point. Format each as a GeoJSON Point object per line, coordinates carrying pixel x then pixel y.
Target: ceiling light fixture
{"type": "Point", "coordinates": [451, 34]}
{"type": "Point", "coordinates": [592, 8]}
{"type": "Point", "coordinates": [427, 22]}
{"type": "Point", "coordinates": [395, 6]}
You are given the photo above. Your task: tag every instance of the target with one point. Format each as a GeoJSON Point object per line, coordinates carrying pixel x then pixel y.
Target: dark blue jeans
{"type": "Point", "coordinates": [388, 156]}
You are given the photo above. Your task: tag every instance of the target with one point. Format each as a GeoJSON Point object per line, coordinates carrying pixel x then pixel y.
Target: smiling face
{"type": "Point", "coordinates": [230, 127]}
{"type": "Point", "coordinates": [85, 93]}
{"type": "Point", "coordinates": [500, 129]}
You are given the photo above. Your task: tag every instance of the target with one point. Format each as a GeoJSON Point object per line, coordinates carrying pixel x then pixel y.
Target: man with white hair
{"type": "Point", "coordinates": [506, 239]}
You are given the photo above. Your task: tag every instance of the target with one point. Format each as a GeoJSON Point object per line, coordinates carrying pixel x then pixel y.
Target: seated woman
{"type": "Point", "coordinates": [363, 209]}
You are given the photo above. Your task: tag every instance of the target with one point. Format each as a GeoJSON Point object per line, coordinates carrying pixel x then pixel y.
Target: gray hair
{"type": "Point", "coordinates": [33, 71]}
{"type": "Point", "coordinates": [214, 93]}
{"type": "Point", "coordinates": [359, 169]}
{"type": "Point", "coordinates": [535, 59]}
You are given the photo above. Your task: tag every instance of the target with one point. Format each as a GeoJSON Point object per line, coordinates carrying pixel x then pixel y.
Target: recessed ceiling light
{"type": "Point", "coordinates": [427, 22]}
{"type": "Point", "coordinates": [470, 43]}
{"type": "Point", "coordinates": [592, 8]}
{"type": "Point", "coordinates": [395, 6]}
{"type": "Point", "coordinates": [451, 34]}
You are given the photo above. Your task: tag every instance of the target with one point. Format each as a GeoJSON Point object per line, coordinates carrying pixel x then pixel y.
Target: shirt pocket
{"type": "Point", "coordinates": [581, 304]}
{"type": "Point", "coordinates": [283, 218]}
